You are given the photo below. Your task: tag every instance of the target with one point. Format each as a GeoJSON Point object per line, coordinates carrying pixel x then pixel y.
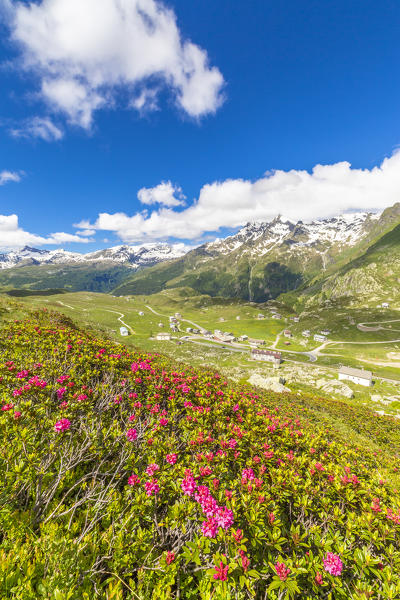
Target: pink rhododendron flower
{"type": "Point", "coordinates": [318, 579]}
{"type": "Point", "coordinates": [245, 562]}
{"type": "Point", "coordinates": [188, 485]}
{"type": "Point", "coordinates": [171, 458]}
{"type": "Point", "coordinates": [333, 564]}
{"type": "Point", "coordinates": [170, 557]}
{"type": "Point", "coordinates": [238, 535]}
{"type": "Point", "coordinates": [133, 480]}
{"type": "Point", "coordinates": [22, 374]}
{"type": "Point", "coordinates": [131, 434]}
{"type": "Point", "coordinates": [247, 474]}
{"type": "Point", "coordinates": [152, 468]}
{"type": "Point", "coordinates": [62, 425]}
{"type": "Point", "coordinates": [152, 488]}
{"type": "Point", "coordinates": [221, 572]}
{"type": "Point", "coordinates": [210, 527]}
{"type": "Point", "coordinates": [224, 518]}
{"type": "Point", "coordinates": [61, 392]}
{"type": "Point", "coordinates": [282, 571]}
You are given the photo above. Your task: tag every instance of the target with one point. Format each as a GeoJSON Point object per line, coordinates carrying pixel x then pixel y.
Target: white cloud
{"type": "Point", "coordinates": [13, 236]}
{"type": "Point", "coordinates": [85, 51]}
{"type": "Point", "coordinates": [298, 195]}
{"type": "Point", "coordinates": [165, 194]}
{"type": "Point", "coordinates": [146, 101]}
{"type": "Point", "coordinates": [38, 127]}
{"type": "Point", "coordinates": [7, 176]}
{"type": "Point", "coordinates": [86, 232]}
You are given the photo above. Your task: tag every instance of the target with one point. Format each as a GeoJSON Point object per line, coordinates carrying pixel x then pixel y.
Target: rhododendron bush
{"type": "Point", "coordinates": [126, 476]}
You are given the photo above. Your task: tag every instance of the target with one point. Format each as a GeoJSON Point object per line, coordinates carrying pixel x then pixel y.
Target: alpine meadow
{"type": "Point", "coordinates": [199, 300]}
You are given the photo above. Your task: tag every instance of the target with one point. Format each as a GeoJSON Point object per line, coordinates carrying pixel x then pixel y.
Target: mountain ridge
{"type": "Point", "coordinates": [263, 259]}
{"type": "Point", "coordinates": [135, 256]}
{"type": "Point", "coordinates": [260, 262]}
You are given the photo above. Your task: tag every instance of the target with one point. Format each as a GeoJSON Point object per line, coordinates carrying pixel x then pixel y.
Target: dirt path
{"type": "Point", "coordinates": [67, 305]}
{"type": "Point", "coordinates": [121, 316]}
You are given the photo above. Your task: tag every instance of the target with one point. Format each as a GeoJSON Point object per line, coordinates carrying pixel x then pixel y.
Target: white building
{"type": "Point", "coordinates": [385, 304]}
{"type": "Point", "coordinates": [178, 315]}
{"type": "Point", "coordinates": [161, 325]}
{"type": "Point", "coordinates": [325, 332]}
{"type": "Point", "coordinates": [260, 316]}
{"type": "Point", "coordinates": [267, 355]}
{"type": "Point", "coordinates": [276, 316]}
{"type": "Point", "coordinates": [254, 342]}
{"type": "Point", "coordinates": [358, 376]}
{"type": "Point", "coordinates": [319, 338]}
{"type": "Point", "coordinates": [163, 336]}
{"type": "Point", "coordinates": [306, 333]}
{"type": "Point", "coordinates": [123, 331]}
{"type": "Point", "coordinates": [141, 313]}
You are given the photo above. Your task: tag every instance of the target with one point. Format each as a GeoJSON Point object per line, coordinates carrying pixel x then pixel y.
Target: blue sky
{"type": "Point", "coordinates": [230, 104]}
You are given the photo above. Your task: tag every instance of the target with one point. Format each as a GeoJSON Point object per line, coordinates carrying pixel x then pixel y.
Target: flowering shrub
{"type": "Point", "coordinates": [125, 476]}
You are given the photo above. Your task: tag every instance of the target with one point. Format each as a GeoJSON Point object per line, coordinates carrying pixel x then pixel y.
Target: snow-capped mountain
{"type": "Point", "coordinates": [131, 256]}
{"type": "Point", "coordinates": [264, 259]}
{"type": "Point", "coordinates": [259, 262]}
{"type": "Point", "coordinates": [260, 238]}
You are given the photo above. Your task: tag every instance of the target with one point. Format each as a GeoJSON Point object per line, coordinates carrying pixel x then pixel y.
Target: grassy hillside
{"type": "Point", "coordinates": [367, 279]}
{"type": "Point", "coordinates": [125, 476]}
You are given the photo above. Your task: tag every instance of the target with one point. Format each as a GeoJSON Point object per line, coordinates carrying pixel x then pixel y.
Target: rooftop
{"type": "Point", "coordinates": [356, 372]}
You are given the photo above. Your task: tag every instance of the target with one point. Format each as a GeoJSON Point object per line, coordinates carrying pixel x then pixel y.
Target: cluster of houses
{"type": "Point", "coordinates": [193, 330]}
{"type": "Point", "coordinates": [173, 323]}
{"type": "Point", "coordinates": [318, 337]}
{"type": "Point", "coordinates": [357, 376]}
{"type": "Point", "coordinates": [222, 336]}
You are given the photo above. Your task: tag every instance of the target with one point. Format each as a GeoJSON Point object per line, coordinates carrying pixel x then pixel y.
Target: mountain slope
{"type": "Point", "coordinates": [98, 271]}
{"type": "Point", "coordinates": [264, 260]}
{"type": "Point", "coordinates": [372, 277]}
